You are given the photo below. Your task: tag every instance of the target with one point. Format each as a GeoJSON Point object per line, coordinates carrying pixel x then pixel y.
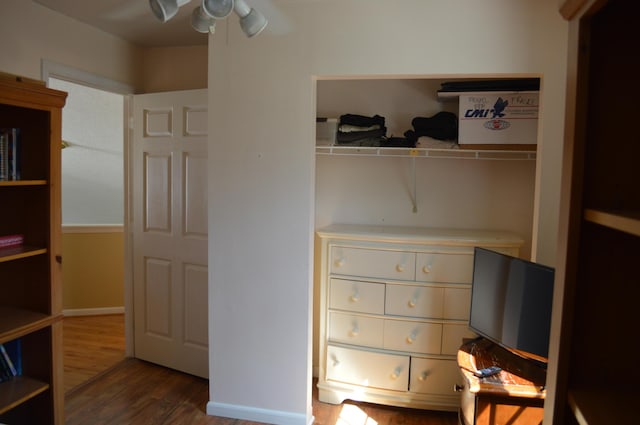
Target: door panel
{"type": "Point", "coordinates": [169, 203]}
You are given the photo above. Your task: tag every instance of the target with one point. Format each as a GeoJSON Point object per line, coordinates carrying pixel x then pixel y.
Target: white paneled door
{"type": "Point", "coordinates": [169, 208]}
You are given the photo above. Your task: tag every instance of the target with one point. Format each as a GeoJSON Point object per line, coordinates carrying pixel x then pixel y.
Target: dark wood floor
{"type": "Point", "coordinates": [136, 392]}
{"type": "Point", "coordinates": [91, 345]}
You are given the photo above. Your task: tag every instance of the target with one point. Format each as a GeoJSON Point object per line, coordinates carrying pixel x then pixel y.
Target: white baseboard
{"type": "Point", "coordinates": [257, 415]}
{"type": "Point", "coordinates": [101, 311]}
{"type": "Point", "coordinates": [93, 228]}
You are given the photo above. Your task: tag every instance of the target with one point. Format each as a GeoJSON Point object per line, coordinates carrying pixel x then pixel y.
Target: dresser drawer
{"type": "Point", "coordinates": [457, 303]}
{"type": "Point", "coordinates": [455, 267]}
{"type": "Point", "coordinates": [414, 301]}
{"type": "Point", "coordinates": [415, 337]}
{"type": "Point", "coordinates": [359, 367]}
{"type": "Point", "coordinates": [354, 329]}
{"type": "Point", "coordinates": [453, 335]}
{"type": "Point", "coordinates": [434, 376]}
{"type": "Point", "coordinates": [373, 263]}
{"type": "Point", "coordinates": [352, 295]}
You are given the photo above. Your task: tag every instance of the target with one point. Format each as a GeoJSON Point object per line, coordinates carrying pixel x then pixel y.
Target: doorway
{"type": "Point", "coordinates": [93, 231]}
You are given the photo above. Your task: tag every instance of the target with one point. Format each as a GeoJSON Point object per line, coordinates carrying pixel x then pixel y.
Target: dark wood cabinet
{"type": "Point", "coordinates": [597, 285]}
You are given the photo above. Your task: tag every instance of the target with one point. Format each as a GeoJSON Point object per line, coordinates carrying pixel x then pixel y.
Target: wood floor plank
{"type": "Point", "coordinates": [134, 392]}
{"type": "Point", "coordinates": [91, 345]}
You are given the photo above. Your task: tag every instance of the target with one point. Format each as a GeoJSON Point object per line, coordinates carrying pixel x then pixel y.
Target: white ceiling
{"type": "Point", "coordinates": [132, 20]}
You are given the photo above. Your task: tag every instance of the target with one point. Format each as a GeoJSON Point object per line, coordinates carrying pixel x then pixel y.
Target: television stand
{"type": "Point", "coordinates": [515, 395]}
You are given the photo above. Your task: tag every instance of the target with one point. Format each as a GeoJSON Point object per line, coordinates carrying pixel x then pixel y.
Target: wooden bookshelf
{"type": "Point", "coordinates": [590, 380]}
{"type": "Point", "coordinates": [31, 302]}
{"type": "Point", "coordinates": [587, 405]}
{"type": "Point", "coordinates": [623, 221]}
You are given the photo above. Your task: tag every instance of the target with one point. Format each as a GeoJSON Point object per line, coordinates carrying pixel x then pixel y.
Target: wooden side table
{"type": "Point", "coordinates": [515, 395]}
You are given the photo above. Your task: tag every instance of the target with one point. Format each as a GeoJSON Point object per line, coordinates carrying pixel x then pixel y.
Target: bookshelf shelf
{"type": "Point", "coordinates": [30, 273]}
{"type": "Point", "coordinates": [19, 390]}
{"type": "Point", "coordinates": [23, 183]}
{"type": "Point", "coordinates": [22, 251]}
{"type": "Point", "coordinates": [624, 221]}
{"type": "Point", "coordinates": [15, 322]}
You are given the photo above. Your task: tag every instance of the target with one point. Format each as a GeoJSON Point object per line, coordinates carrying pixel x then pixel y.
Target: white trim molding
{"type": "Point", "coordinates": [49, 68]}
{"type": "Point", "coordinates": [99, 311]}
{"type": "Point", "coordinates": [255, 414]}
{"type": "Point", "coordinates": [92, 228]}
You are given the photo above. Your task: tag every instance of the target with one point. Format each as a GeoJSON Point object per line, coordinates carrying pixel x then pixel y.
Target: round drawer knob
{"type": "Point", "coordinates": [423, 377]}
{"type": "Point", "coordinates": [396, 373]}
{"type": "Point", "coordinates": [399, 268]}
{"type": "Point", "coordinates": [410, 340]}
{"type": "Point", "coordinates": [411, 303]}
{"type": "Point", "coordinates": [426, 269]}
{"type": "Point", "coordinates": [339, 262]}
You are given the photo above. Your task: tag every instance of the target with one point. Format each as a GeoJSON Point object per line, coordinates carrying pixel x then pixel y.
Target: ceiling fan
{"type": "Point", "coordinates": [203, 17]}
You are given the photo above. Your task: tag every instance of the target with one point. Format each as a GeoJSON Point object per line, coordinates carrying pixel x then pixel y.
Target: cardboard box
{"type": "Point", "coordinates": [326, 131]}
{"type": "Point", "coordinates": [498, 118]}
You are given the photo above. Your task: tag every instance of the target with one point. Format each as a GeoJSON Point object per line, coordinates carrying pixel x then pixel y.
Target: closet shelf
{"type": "Point", "coordinates": [426, 153]}
{"type": "Point", "coordinates": [624, 221]}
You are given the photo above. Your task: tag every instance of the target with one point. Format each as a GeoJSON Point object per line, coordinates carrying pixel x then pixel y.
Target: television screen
{"type": "Point", "coordinates": [511, 302]}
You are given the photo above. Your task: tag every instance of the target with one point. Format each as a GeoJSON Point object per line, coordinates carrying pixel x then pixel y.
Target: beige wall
{"type": "Point", "coordinates": [262, 103]}
{"type": "Point", "coordinates": [30, 33]}
{"type": "Point", "coordinates": [175, 68]}
{"type": "Point", "coordinates": [92, 268]}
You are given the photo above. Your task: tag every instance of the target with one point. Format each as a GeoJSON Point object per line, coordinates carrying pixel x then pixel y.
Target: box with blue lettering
{"type": "Point", "coordinates": [498, 118]}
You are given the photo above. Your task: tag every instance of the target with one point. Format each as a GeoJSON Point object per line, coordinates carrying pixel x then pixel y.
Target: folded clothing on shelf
{"type": "Point", "coordinates": [431, 143]}
{"type": "Point", "coordinates": [441, 126]}
{"type": "Point", "coordinates": [360, 130]}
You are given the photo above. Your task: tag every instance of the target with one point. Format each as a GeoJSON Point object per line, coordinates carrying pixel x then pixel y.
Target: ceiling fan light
{"type": "Point", "coordinates": [253, 23]}
{"type": "Point", "coordinates": [202, 22]}
{"type": "Point", "coordinates": [166, 9]}
{"type": "Point", "coordinates": [218, 9]}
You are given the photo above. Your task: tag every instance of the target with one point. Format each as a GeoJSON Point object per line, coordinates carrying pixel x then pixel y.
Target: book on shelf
{"type": "Point", "coordinates": [10, 154]}
{"type": "Point", "coordinates": [4, 156]}
{"type": "Point", "coordinates": [10, 360]}
{"type": "Point", "coordinates": [11, 240]}
{"type": "Point", "coordinates": [7, 363]}
{"type": "Point", "coordinates": [5, 372]}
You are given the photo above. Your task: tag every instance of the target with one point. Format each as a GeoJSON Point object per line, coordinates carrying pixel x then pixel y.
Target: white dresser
{"type": "Point", "coordinates": [394, 308]}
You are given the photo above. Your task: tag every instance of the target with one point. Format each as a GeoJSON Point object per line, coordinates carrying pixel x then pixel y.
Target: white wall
{"type": "Point", "coordinates": [30, 33]}
{"type": "Point", "coordinates": [262, 163]}
{"type": "Point", "coordinates": [93, 162]}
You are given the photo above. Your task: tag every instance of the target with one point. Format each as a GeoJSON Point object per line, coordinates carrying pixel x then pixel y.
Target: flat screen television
{"type": "Point", "coordinates": [511, 303]}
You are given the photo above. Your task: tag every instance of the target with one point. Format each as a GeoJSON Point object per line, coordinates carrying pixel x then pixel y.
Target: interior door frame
{"type": "Point", "coordinates": [84, 78]}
